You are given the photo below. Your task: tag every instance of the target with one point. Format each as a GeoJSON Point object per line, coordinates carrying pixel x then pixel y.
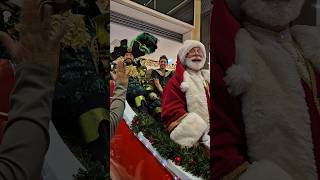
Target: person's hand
{"type": "Point", "coordinates": [122, 76]}
{"type": "Point", "coordinates": [37, 44]}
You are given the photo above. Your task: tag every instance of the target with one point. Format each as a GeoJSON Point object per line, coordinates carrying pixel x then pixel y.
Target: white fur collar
{"type": "Point", "coordinates": [308, 38]}
{"type": "Point", "coordinates": [206, 74]}
{"type": "Point", "coordinates": [193, 86]}
{"type": "Point", "coordinates": [239, 78]}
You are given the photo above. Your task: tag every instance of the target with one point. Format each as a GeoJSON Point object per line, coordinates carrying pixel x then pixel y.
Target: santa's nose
{"type": "Point", "coordinates": [197, 51]}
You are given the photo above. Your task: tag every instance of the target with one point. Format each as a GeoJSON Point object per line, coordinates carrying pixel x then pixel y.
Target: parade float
{"type": "Point", "coordinates": [141, 148]}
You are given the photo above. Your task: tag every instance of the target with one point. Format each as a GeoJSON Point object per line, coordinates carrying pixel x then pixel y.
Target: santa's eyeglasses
{"type": "Point", "coordinates": [194, 51]}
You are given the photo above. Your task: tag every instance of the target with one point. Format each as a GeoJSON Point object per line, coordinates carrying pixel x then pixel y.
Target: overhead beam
{"type": "Point", "coordinates": [145, 14]}
{"type": "Point", "coordinates": [179, 6]}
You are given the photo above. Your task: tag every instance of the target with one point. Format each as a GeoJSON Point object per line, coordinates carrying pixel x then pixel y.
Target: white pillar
{"type": "Point", "coordinates": [317, 6]}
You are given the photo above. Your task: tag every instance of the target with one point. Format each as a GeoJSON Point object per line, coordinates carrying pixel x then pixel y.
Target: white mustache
{"type": "Point", "coordinates": [195, 65]}
{"type": "Point", "coordinates": [195, 57]}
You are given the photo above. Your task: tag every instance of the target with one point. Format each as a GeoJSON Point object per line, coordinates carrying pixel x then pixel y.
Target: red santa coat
{"type": "Point", "coordinates": [175, 113]}
{"type": "Point", "coordinates": [229, 147]}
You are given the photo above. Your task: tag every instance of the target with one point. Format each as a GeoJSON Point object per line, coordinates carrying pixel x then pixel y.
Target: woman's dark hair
{"type": "Point", "coordinates": [163, 57]}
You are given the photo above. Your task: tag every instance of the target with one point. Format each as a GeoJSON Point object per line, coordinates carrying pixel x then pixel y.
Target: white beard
{"type": "Point", "coordinates": [273, 13]}
{"type": "Point", "coordinates": [196, 66]}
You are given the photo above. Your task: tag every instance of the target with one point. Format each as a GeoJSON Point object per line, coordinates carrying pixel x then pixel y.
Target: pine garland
{"type": "Point", "coordinates": [194, 160]}
{"type": "Point", "coordinates": [95, 170]}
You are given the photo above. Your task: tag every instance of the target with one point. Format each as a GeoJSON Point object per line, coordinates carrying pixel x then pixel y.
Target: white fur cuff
{"type": "Point", "coordinates": [237, 79]}
{"type": "Point", "coordinates": [205, 140]}
{"type": "Point", "coordinates": [184, 86]}
{"type": "Point", "coordinates": [265, 170]}
{"type": "Point", "coordinates": [189, 131]}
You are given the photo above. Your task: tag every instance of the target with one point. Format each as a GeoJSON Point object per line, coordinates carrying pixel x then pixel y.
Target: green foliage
{"type": "Point", "coordinates": [95, 170]}
{"type": "Point", "coordinates": [194, 160]}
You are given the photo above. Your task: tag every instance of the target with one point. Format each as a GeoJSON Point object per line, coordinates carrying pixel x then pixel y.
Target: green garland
{"type": "Point", "coordinates": [95, 170]}
{"type": "Point", "coordinates": [194, 160]}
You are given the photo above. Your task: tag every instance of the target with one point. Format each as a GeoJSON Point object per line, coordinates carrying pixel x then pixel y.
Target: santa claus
{"type": "Point", "coordinates": [186, 99]}
{"type": "Point", "coordinates": [265, 81]}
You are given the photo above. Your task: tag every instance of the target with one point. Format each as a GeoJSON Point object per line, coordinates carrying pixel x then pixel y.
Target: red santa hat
{"type": "Point", "coordinates": [187, 46]}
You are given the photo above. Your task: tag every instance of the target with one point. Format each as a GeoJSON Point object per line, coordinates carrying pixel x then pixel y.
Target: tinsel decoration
{"type": "Point", "coordinates": [76, 35]}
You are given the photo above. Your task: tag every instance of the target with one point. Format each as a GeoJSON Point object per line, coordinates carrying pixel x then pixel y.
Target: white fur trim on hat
{"type": "Point", "coordinates": [187, 46]}
{"type": "Point", "coordinates": [189, 131]}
